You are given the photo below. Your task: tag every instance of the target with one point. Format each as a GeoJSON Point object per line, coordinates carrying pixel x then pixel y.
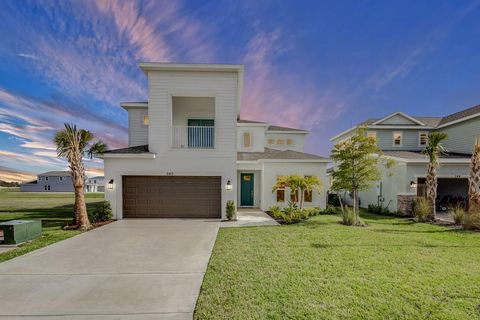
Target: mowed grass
{"type": "Point", "coordinates": [54, 209]}
{"type": "Point", "coordinates": [320, 269]}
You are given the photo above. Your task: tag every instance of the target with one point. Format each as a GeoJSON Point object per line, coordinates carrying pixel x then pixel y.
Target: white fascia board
{"type": "Point", "coordinates": [131, 105]}
{"type": "Point", "coordinates": [401, 114]}
{"type": "Point", "coordinates": [161, 66]}
{"type": "Point", "coordinates": [285, 160]}
{"type": "Point", "coordinates": [246, 124]}
{"type": "Point", "coordinates": [148, 155]}
{"type": "Point", "coordinates": [459, 120]}
{"type": "Point", "coordinates": [403, 127]}
{"type": "Point", "coordinates": [343, 133]}
{"type": "Point", "coordinates": [289, 131]}
{"type": "Point", "coordinates": [421, 161]}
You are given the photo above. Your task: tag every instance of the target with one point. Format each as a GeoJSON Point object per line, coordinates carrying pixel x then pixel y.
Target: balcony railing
{"type": "Point", "coordinates": [193, 137]}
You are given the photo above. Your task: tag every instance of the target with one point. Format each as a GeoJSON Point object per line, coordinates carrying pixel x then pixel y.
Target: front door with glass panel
{"type": "Point", "coordinates": [246, 190]}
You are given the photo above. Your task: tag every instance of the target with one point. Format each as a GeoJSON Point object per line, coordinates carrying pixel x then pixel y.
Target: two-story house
{"type": "Point", "coordinates": [95, 184]}
{"type": "Point", "coordinates": [402, 138]}
{"type": "Point", "coordinates": [189, 152]}
{"type": "Point", "coordinates": [52, 181]}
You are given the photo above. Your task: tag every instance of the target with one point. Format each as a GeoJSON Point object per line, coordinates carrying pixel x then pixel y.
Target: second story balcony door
{"type": "Point", "coordinates": [201, 133]}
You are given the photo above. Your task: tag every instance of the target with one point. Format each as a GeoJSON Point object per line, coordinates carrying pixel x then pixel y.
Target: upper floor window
{"type": "Point", "coordinates": [422, 139]}
{"type": "Point", "coordinates": [279, 141]}
{"type": "Point", "coordinates": [146, 120]}
{"type": "Point", "coordinates": [247, 140]}
{"type": "Point", "coordinates": [61, 178]}
{"type": "Point", "coordinates": [289, 142]}
{"type": "Point", "coordinates": [46, 178]}
{"type": "Point", "coordinates": [397, 139]}
{"type": "Point", "coordinates": [40, 179]}
{"type": "Point", "coordinates": [372, 134]}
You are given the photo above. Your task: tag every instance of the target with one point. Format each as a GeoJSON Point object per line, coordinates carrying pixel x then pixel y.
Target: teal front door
{"type": "Point", "coordinates": [246, 189]}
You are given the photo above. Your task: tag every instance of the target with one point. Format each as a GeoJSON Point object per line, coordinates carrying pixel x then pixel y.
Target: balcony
{"type": "Point", "coordinates": [193, 137]}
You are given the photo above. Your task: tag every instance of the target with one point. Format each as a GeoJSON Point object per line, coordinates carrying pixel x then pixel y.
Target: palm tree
{"type": "Point", "coordinates": [433, 150]}
{"type": "Point", "coordinates": [298, 184]}
{"type": "Point", "coordinates": [474, 179]}
{"type": "Point", "coordinates": [73, 144]}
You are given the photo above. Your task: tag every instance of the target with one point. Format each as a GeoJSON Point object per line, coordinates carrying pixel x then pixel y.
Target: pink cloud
{"type": "Point", "coordinates": [12, 175]}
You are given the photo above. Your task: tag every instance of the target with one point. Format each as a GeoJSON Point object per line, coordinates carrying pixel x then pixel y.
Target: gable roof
{"type": "Point", "coordinates": [273, 154]}
{"type": "Point", "coordinates": [454, 117]}
{"type": "Point", "coordinates": [56, 174]}
{"type": "Point", "coordinates": [130, 150]}
{"type": "Point", "coordinates": [398, 113]}
{"type": "Point", "coordinates": [279, 128]}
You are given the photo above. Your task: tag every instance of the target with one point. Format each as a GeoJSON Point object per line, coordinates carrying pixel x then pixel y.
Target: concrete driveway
{"type": "Point", "coordinates": [130, 269]}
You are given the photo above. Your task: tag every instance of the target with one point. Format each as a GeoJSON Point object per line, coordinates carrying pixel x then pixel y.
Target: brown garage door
{"type": "Point", "coordinates": [171, 197]}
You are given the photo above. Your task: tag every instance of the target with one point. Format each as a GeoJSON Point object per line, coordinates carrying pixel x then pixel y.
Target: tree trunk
{"type": "Point", "coordinates": [431, 186]}
{"type": "Point", "coordinates": [474, 179]}
{"type": "Point", "coordinates": [80, 206]}
{"type": "Point", "coordinates": [301, 199]}
{"type": "Point", "coordinates": [355, 206]}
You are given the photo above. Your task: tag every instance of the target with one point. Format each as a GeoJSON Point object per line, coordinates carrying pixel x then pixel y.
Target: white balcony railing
{"type": "Point", "coordinates": [193, 137]}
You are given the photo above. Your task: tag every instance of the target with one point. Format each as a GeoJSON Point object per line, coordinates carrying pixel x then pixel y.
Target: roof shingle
{"type": "Point", "coordinates": [277, 155]}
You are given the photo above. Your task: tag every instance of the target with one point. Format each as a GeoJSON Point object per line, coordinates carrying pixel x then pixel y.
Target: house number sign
{"type": "Point", "coordinates": [169, 173]}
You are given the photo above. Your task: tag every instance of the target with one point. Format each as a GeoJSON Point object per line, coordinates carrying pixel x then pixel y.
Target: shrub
{"type": "Point", "coordinates": [292, 214]}
{"type": "Point", "coordinates": [311, 212]}
{"type": "Point", "coordinates": [348, 217]}
{"type": "Point", "coordinates": [422, 209]}
{"type": "Point", "coordinates": [331, 210]}
{"type": "Point", "coordinates": [472, 220]}
{"type": "Point", "coordinates": [333, 200]}
{"type": "Point", "coordinates": [458, 214]}
{"type": "Point", "coordinates": [378, 209]}
{"type": "Point", "coordinates": [101, 212]}
{"type": "Point", "coordinates": [230, 210]}
{"type": "Point", "coordinates": [276, 212]}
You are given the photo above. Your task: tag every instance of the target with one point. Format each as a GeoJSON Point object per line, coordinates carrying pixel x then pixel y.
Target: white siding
{"type": "Point", "coordinates": [137, 131]}
{"type": "Point", "coordinates": [257, 134]}
{"type": "Point", "coordinates": [297, 139]}
{"type": "Point", "coordinates": [192, 108]}
{"type": "Point", "coordinates": [273, 169]}
{"type": "Point", "coordinates": [461, 137]}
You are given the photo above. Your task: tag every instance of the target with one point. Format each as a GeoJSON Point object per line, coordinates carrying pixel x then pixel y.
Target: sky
{"type": "Point", "coordinates": [316, 65]}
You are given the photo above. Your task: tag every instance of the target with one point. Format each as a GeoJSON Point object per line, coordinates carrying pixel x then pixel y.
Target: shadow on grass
{"type": "Point", "coordinates": [327, 245]}
{"type": "Point", "coordinates": [55, 216]}
{"type": "Point", "coordinates": [446, 230]}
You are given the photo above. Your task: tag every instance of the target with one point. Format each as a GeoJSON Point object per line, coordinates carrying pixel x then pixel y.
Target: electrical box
{"type": "Point", "coordinates": [18, 231]}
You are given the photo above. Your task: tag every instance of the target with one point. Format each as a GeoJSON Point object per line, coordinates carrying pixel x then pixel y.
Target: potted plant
{"type": "Point", "coordinates": [231, 210]}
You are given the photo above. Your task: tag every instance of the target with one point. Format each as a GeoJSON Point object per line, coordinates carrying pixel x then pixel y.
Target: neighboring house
{"type": "Point", "coordinates": [52, 181]}
{"type": "Point", "coordinates": [95, 184]}
{"type": "Point", "coordinates": [189, 153]}
{"type": "Point", "coordinates": [402, 138]}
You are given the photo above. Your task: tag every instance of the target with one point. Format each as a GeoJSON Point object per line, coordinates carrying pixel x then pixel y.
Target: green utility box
{"type": "Point", "coordinates": [18, 231]}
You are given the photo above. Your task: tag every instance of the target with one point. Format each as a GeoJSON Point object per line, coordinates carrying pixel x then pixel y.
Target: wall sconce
{"type": "Point", "coordinates": [110, 184]}
{"type": "Point", "coordinates": [229, 186]}
{"type": "Point", "coordinates": [413, 184]}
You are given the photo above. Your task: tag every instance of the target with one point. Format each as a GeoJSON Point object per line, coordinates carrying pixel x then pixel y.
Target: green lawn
{"type": "Point", "coordinates": [320, 269]}
{"type": "Point", "coordinates": [54, 209]}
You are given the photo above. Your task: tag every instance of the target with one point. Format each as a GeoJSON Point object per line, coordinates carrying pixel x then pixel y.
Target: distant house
{"type": "Point", "coordinates": [52, 181]}
{"type": "Point", "coordinates": [95, 184]}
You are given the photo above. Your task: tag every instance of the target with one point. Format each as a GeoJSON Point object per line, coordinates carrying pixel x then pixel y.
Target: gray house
{"type": "Point", "coordinates": [52, 181]}
{"type": "Point", "coordinates": [402, 138]}
{"type": "Point", "coordinates": [95, 184]}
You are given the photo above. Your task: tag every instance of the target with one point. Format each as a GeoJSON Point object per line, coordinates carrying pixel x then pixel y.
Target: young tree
{"type": "Point", "coordinates": [433, 150]}
{"type": "Point", "coordinates": [298, 185]}
{"type": "Point", "coordinates": [73, 144]}
{"type": "Point", "coordinates": [474, 179]}
{"type": "Point", "coordinates": [356, 168]}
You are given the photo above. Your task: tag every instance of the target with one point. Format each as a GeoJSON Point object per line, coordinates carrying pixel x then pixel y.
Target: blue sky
{"type": "Point", "coordinates": [319, 65]}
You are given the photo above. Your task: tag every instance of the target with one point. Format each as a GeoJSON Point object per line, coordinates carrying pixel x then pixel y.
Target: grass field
{"type": "Point", "coordinates": [320, 269]}
{"type": "Point", "coordinates": [54, 209]}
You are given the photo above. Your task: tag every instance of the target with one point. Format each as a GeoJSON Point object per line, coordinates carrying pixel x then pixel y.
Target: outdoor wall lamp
{"type": "Point", "coordinates": [228, 187]}
{"type": "Point", "coordinates": [110, 184]}
{"type": "Point", "coordinates": [413, 184]}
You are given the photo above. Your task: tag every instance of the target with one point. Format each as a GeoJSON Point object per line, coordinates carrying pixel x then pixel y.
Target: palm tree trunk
{"type": "Point", "coordinates": [431, 188]}
{"type": "Point", "coordinates": [301, 199]}
{"type": "Point", "coordinates": [474, 179]}
{"type": "Point", "coordinates": [80, 206]}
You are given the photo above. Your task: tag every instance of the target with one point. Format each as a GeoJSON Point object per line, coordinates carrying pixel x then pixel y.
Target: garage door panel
{"type": "Point", "coordinates": [170, 197]}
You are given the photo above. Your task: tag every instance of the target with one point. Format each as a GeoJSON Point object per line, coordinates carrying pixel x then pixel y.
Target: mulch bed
{"type": "Point", "coordinates": [94, 225]}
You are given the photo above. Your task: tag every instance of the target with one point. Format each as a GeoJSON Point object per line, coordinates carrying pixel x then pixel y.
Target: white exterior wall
{"type": "Point", "coordinates": [137, 131]}
{"type": "Point", "coordinates": [257, 134]}
{"type": "Point", "coordinates": [220, 161]}
{"type": "Point", "coordinates": [273, 169]}
{"type": "Point", "coordinates": [297, 138]}
{"type": "Point", "coordinates": [399, 182]}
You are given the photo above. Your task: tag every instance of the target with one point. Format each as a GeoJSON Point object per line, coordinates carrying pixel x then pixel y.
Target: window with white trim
{"type": "Point", "coordinates": [397, 138]}
{"type": "Point", "coordinates": [422, 139]}
{"type": "Point", "coordinates": [247, 139]}
{"type": "Point", "coordinates": [280, 193]}
{"type": "Point", "coordinates": [271, 141]}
